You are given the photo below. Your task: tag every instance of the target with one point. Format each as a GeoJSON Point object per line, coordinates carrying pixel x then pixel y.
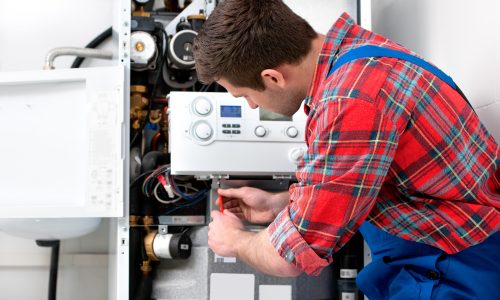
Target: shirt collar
{"type": "Point", "coordinates": [331, 46]}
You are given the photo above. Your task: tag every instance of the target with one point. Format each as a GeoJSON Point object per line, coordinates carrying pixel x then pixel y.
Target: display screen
{"type": "Point", "coordinates": [266, 115]}
{"type": "Point", "coordinates": [230, 111]}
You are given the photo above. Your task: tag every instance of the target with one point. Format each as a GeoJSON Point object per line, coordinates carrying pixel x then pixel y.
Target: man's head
{"type": "Point", "coordinates": [242, 38]}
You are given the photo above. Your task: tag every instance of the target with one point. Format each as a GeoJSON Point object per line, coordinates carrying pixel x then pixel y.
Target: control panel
{"type": "Point", "coordinates": [218, 134]}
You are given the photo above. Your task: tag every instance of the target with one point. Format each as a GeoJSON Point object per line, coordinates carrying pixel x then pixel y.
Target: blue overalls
{"type": "Point", "coordinates": [402, 269]}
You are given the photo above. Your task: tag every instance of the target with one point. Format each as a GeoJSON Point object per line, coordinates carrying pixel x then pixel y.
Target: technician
{"type": "Point", "coordinates": [394, 150]}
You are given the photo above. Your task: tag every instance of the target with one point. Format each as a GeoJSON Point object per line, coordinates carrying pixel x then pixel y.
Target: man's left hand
{"type": "Point", "coordinates": [225, 233]}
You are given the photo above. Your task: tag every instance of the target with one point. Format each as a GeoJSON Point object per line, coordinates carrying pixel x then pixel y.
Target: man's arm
{"type": "Point", "coordinates": [228, 237]}
{"type": "Point", "coordinates": [351, 145]}
{"type": "Point", "coordinates": [256, 250]}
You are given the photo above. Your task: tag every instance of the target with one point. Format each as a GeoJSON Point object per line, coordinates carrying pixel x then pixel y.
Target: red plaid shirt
{"type": "Point", "coordinates": [390, 143]}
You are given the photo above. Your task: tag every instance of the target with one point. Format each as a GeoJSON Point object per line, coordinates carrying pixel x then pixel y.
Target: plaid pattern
{"type": "Point", "coordinates": [390, 143]}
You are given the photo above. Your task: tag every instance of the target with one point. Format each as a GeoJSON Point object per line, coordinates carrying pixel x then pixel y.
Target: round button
{"type": "Point", "coordinates": [202, 106]}
{"type": "Point", "coordinates": [202, 131]}
{"type": "Point", "coordinates": [296, 154]}
{"type": "Point", "coordinates": [292, 132]}
{"type": "Point", "coordinates": [289, 257]}
{"type": "Point", "coordinates": [260, 131]}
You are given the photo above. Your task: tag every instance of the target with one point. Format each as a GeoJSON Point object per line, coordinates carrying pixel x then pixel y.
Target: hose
{"type": "Point", "coordinates": [93, 44]}
{"type": "Point", "coordinates": [145, 288]}
{"type": "Point", "coordinates": [54, 263]}
{"type": "Point", "coordinates": [135, 259]}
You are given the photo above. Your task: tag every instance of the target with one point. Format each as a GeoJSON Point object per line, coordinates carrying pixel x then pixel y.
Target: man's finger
{"type": "Point", "coordinates": [215, 214]}
{"type": "Point", "coordinates": [231, 193]}
{"type": "Point", "coordinates": [231, 203]}
{"type": "Point", "coordinates": [235, 210]}
{"type": "Point", "coordinates": [230, 214]}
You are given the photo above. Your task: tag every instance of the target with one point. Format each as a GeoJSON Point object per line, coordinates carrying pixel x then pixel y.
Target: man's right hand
{"type": "Point", "coordinates": [252, 204]}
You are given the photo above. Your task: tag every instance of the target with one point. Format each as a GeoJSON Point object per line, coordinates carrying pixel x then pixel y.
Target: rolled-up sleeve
{"type": "Point", "coordinates": [351, 145]}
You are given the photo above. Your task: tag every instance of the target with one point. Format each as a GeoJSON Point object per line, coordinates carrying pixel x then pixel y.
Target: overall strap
{"type": "Point", "coordinates": [376, 51]}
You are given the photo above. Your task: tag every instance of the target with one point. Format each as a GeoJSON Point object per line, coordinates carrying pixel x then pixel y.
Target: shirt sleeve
{"type": "Point", "coordinates": [351, 145]}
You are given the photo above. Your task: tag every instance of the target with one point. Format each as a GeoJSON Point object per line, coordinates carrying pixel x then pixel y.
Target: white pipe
{"type": "Point", "coordinates": [81, 52]}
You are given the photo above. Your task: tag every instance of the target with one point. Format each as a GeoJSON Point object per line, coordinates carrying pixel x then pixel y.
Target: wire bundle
{"type": "Point", "coordinates": [161, 177]}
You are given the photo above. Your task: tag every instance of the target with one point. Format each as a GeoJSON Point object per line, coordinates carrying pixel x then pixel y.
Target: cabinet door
{"type": "Point", "coordinates": [62, 143]}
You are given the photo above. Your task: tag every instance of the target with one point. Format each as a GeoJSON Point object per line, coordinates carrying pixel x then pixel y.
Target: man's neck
{"type": "Point", "coordinates": [310, 61]}
{"type": "Point", "coordinates": [299, 76]}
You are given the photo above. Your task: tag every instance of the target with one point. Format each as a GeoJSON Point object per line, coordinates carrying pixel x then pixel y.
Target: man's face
{"type": "Point", "coordinates": [285, 102]}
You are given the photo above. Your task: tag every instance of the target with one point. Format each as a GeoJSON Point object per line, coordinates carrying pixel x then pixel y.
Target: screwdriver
{"type": "Point", "coordinates": [221, 205]}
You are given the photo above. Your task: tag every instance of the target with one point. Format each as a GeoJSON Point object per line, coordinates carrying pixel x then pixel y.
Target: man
{"type": "Point", "coordinates": [394, 150]}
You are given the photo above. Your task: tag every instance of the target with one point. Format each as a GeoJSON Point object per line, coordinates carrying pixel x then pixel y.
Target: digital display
{"type": "Point", "coordinates": [266, 115]}
{"type": "Point", "coordinates": [230, 111]}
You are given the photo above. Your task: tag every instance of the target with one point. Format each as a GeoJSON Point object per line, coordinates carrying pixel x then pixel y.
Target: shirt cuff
{"type": "Point", "coordinates": [290, 245]}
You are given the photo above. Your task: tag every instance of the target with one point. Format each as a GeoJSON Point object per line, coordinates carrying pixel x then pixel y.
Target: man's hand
{"type": "Point", "coordinates": [223, 233]}
{"type": "Point", "coordinates": [252, 204]}
{"type": "Point", "coordinates": [227, 237]}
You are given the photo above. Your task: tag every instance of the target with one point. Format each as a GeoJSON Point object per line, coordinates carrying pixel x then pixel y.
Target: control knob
{"type": "Point", "coordinates": [202, 106]}
{"type": "Point", "coordinates": [296, 154]}
{"type": "Point", "coordinates": [292, 132]}
{"type": "Point", "coordinates": [260, 131]}
{"type": "Point", "coordinates": [202, 131]}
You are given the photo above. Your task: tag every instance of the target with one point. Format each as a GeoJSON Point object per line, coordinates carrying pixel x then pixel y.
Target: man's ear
{"type": "Point", "coordinates": [273, 78]}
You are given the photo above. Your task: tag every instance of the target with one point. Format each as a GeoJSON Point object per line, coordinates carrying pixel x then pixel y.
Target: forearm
{"type": "Point", "coordinates": [256, 250]}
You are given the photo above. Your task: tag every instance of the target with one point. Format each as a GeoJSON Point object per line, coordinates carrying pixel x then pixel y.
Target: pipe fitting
{"type": "Point", "coordinates": [80, 52]}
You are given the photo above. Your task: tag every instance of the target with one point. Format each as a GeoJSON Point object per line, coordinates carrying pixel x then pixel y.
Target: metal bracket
{"type": "Point", "coordinates": [162, 229]}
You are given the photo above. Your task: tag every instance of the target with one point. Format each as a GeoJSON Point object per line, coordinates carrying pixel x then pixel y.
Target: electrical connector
{"type": "Point", "coordinates": [166, 186]}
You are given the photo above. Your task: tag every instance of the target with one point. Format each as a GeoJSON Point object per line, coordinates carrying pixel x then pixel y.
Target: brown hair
{"type": "Point", "coordinates": [243, 37]}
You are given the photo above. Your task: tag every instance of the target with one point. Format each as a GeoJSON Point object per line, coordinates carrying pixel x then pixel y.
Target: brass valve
{"type": "Point", "coordinates": [148, 221]}
{"type": "Point", "coordinates": [138, 105]}
{"type": "Point", "coordinates": [140, 12]}
{"type": "Point", "coordinates": [155, 116]}
{"type": "Point", "coordinates": [146, 267]}
{"type": "Point", "coordinates": [133, 220]}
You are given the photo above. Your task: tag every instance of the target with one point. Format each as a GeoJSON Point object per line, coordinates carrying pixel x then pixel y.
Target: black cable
{"type": "Point", "coordinates": [93, 44]}
{"type": "Point", "coordinates": [145, 286]}
{"type": "Point", "coordinates": [136, 135]}
{"type": "Point", "coordinates": [187, 230]}
{"type": "Point", "coordinates": [135, 259]}
{"type": "Point", "coordinates": [54, 263]}
{"type": "Point", "coordinates": [205, 88]}
{"type": "Point", "coordinates": [139, 177]}
{"type": "Point", "coordinates": [158, 75]}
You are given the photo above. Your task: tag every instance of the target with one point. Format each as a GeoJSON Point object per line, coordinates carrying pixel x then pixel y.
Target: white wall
{"type": "Point", "coordinates": [30, 28]}
{"type": "Point", "coordinates": [462, 37]}
{"type": "Point", "coordinates": [321, 14]}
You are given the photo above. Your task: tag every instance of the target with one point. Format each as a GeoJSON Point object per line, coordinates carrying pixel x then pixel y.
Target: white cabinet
{"type": "Point", "coordinates": [64, 143]}
{"type": "Point", "coordinates": [64, 148]}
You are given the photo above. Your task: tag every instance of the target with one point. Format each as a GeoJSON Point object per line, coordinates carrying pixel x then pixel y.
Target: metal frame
{"type": "Point", "coordinates": [118, 266]}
